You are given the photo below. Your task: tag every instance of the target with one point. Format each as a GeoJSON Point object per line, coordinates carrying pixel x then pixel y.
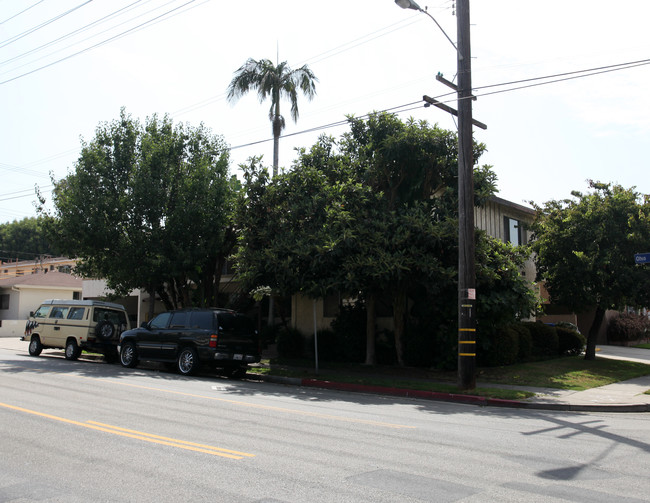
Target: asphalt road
{"type": "Point", "coordinates": [89, 431]}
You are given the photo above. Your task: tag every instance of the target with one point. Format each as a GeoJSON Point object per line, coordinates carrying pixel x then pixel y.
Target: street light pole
{"type": "Point", "coordinates": [466, 248]}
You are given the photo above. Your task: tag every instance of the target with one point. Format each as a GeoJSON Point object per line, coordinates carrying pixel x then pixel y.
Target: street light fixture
{"type": "Point", "coordinates": [410, 4]}
{"type": "Point", "coordinates": [466, 249]}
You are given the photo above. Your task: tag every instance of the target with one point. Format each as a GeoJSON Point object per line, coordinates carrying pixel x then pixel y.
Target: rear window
{"type": "Point", "coordinates": [76, 313]}
{"type": "Point", "coordinates": [116, 317]}
{"type": "Point", "coordinates": [203, 320]}
{"type": "Point", "coordinates": [235, 324]}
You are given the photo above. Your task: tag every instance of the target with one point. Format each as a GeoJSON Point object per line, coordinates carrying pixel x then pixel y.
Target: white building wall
{"type": "Point", "coordinates": [25, 300]}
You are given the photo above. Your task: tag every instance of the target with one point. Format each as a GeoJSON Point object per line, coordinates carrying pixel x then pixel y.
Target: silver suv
{"type": "Point", "coordinates": [77, 325]}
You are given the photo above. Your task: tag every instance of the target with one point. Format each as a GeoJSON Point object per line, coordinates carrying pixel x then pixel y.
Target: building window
{"type": "Point", "coordinates": [76, 295]}
{"type": "Point", "coordinates": [514, 231]}
{"type": "Point", "coordinates": [4, 301]}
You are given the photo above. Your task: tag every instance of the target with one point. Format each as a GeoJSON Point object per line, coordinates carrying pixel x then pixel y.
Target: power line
{"type": "Point", "coordinates": [359, 41]}
{"type": "Point", "coordinates": [566, 76]}
{"type": "Point", "coordinates": [110, 39]}
{"type": "Point", "coordinates": [72, 33]}
{"type": "Point", "coordinates": [402, 108]}
{"type": "Point", "coordinates": [42, 25]}
{"type": "Point", "coordinates": [21, 12]}
{"type": "Point", "coordinates": [3, 199]}
{"type": "Point", "coordinates": [573, 74]}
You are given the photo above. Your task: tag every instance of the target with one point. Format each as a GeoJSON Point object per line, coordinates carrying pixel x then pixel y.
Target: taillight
{"type": "Point", "coordinates": [213, 341]}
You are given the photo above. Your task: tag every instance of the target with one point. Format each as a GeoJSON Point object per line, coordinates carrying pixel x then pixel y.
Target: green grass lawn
{"type": "Point", "coordinates": [643, 346]}
{"type": "Point", "coordinates": [571, 373]}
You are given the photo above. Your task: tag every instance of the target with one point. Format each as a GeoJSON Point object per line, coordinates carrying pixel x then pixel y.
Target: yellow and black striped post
{"type": "Point", "coordinates": [467, 340]}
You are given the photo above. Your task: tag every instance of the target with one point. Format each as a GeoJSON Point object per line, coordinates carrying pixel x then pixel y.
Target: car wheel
{"type": "Point", "coordinates": [128, 355]}
{"type": "Point", "coordinates": [105, 330]}
{"type": "Point", "coordinates": [35, 346]}
{"type": "Point", "coordinates": [188, 361]}
{"type": "Point", "coordinates": [72, 350]}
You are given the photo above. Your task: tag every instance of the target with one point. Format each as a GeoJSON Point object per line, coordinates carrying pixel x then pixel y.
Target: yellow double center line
{"type": "Point", "coordinates": [147, 437]}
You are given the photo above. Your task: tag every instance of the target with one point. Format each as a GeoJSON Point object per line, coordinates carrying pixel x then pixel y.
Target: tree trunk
{"type": "Point", "coordinates": [152, 302]}
{"type": "Point", "coordinates": [164, 297]}
{"type": "Point", "coordinates": [278, 125]}
{"type": "Point", "coordinates": [590, 352]}
{"type": "Point", "coordinates": [399, 318]}
{"type": "Point", "coordinates": [276, 155]}
{"type": "Point", "coordinates": [371, 328]}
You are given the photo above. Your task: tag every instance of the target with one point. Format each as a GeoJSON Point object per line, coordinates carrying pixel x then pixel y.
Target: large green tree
{"type": "Point", "coordinates": [149, 206]}
{"type": "Point", "coordinates": [25, 239]}
{"type": "Point", "coordinates": [274, 82]}
{"type": "Point", "coordinates": [414, 167]}
{"type": "Point", "coordinates": [372, 214]}
{"type": "Point", "coordinates": [585, 250]}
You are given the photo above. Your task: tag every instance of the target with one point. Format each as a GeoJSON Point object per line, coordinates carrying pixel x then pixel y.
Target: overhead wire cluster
{"type": "Point", "coordinates": [127, 26]}
{"type": "Point", "coordinates": [131, 18]}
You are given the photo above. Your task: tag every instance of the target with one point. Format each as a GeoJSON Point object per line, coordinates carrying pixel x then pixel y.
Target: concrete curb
{"type": "Point", "coordinates": [451, 397]}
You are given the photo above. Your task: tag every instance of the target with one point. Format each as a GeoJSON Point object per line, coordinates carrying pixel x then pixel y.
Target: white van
{"type": "Point", "coordinates": [77, 325]}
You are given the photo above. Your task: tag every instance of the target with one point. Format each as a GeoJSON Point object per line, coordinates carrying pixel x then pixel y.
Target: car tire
{"type": "Point", "coordinates": [35, 346]}
{"type": "Point", "coordinates": [104, 330]}
{"type": "Point", "coordinates": [188, 361]}
{"type": "Point", "coordinates": [128, 355]}
{"type": "Point", "coordinates": [72, 350]}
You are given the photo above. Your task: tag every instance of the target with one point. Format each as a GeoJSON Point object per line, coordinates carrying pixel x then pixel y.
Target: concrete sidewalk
{"type": "Point", "coordinates": [625, 396]}
{"type": "Point", "coordinates": [622, 396]}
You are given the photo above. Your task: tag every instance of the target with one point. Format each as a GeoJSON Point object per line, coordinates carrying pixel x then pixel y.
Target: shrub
{"type": "Point", "coordinates": [525, 341]}
{"type": "Point", "coordinates": [628, 327]}
{"type": "Point", "coordinates": [502, 348]}
{"type": "Point", "coordinates": [446, 350]}
{"type": "Point", "coordinates": [419, 347]}
{"type": "Point", "coordinates": [290, 343]}
{"type": "Point", "coordinates": [385, 348]}
{"type": "Point", "coordinates": [544, 339]}
{"type": "Point", "coordinates": [330, 348]}
{"type": "Point", "coordinates": [269, 334]}
{"type": "Point", "coordinates": [570, 342]}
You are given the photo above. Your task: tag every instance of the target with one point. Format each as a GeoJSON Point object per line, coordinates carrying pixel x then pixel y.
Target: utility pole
{"type": "Point", "coordinates": [466, 248]}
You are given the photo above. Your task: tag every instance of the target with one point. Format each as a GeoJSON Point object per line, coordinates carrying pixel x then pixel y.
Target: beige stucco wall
{"type": "Point", "coordinates": [302, 310]}
{"type": "Point", "coordinates": [31, 298]}
{"type": "Point", "coordinates": [303, 316]}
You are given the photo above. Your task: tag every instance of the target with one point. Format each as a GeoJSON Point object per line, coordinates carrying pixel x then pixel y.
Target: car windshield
{"type": "Point", "coordinates": [42, 312]}
{"type": "Point", "coordinates": [235, 324]}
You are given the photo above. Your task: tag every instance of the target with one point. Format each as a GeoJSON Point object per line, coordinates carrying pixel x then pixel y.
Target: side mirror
{"type": "Point", "coordinates": [144, 324]}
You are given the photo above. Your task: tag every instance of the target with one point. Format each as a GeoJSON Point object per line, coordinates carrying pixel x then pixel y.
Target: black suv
{"type": "Point", "coordinates": [191, 337]}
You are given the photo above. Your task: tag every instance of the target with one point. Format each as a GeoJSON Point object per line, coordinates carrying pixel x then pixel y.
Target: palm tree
{"type": "Point", "coordinates": [276, 82]}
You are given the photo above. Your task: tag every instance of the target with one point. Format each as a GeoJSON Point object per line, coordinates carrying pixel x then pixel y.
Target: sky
{"type": "Point", "coordinates": [67, 66]}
